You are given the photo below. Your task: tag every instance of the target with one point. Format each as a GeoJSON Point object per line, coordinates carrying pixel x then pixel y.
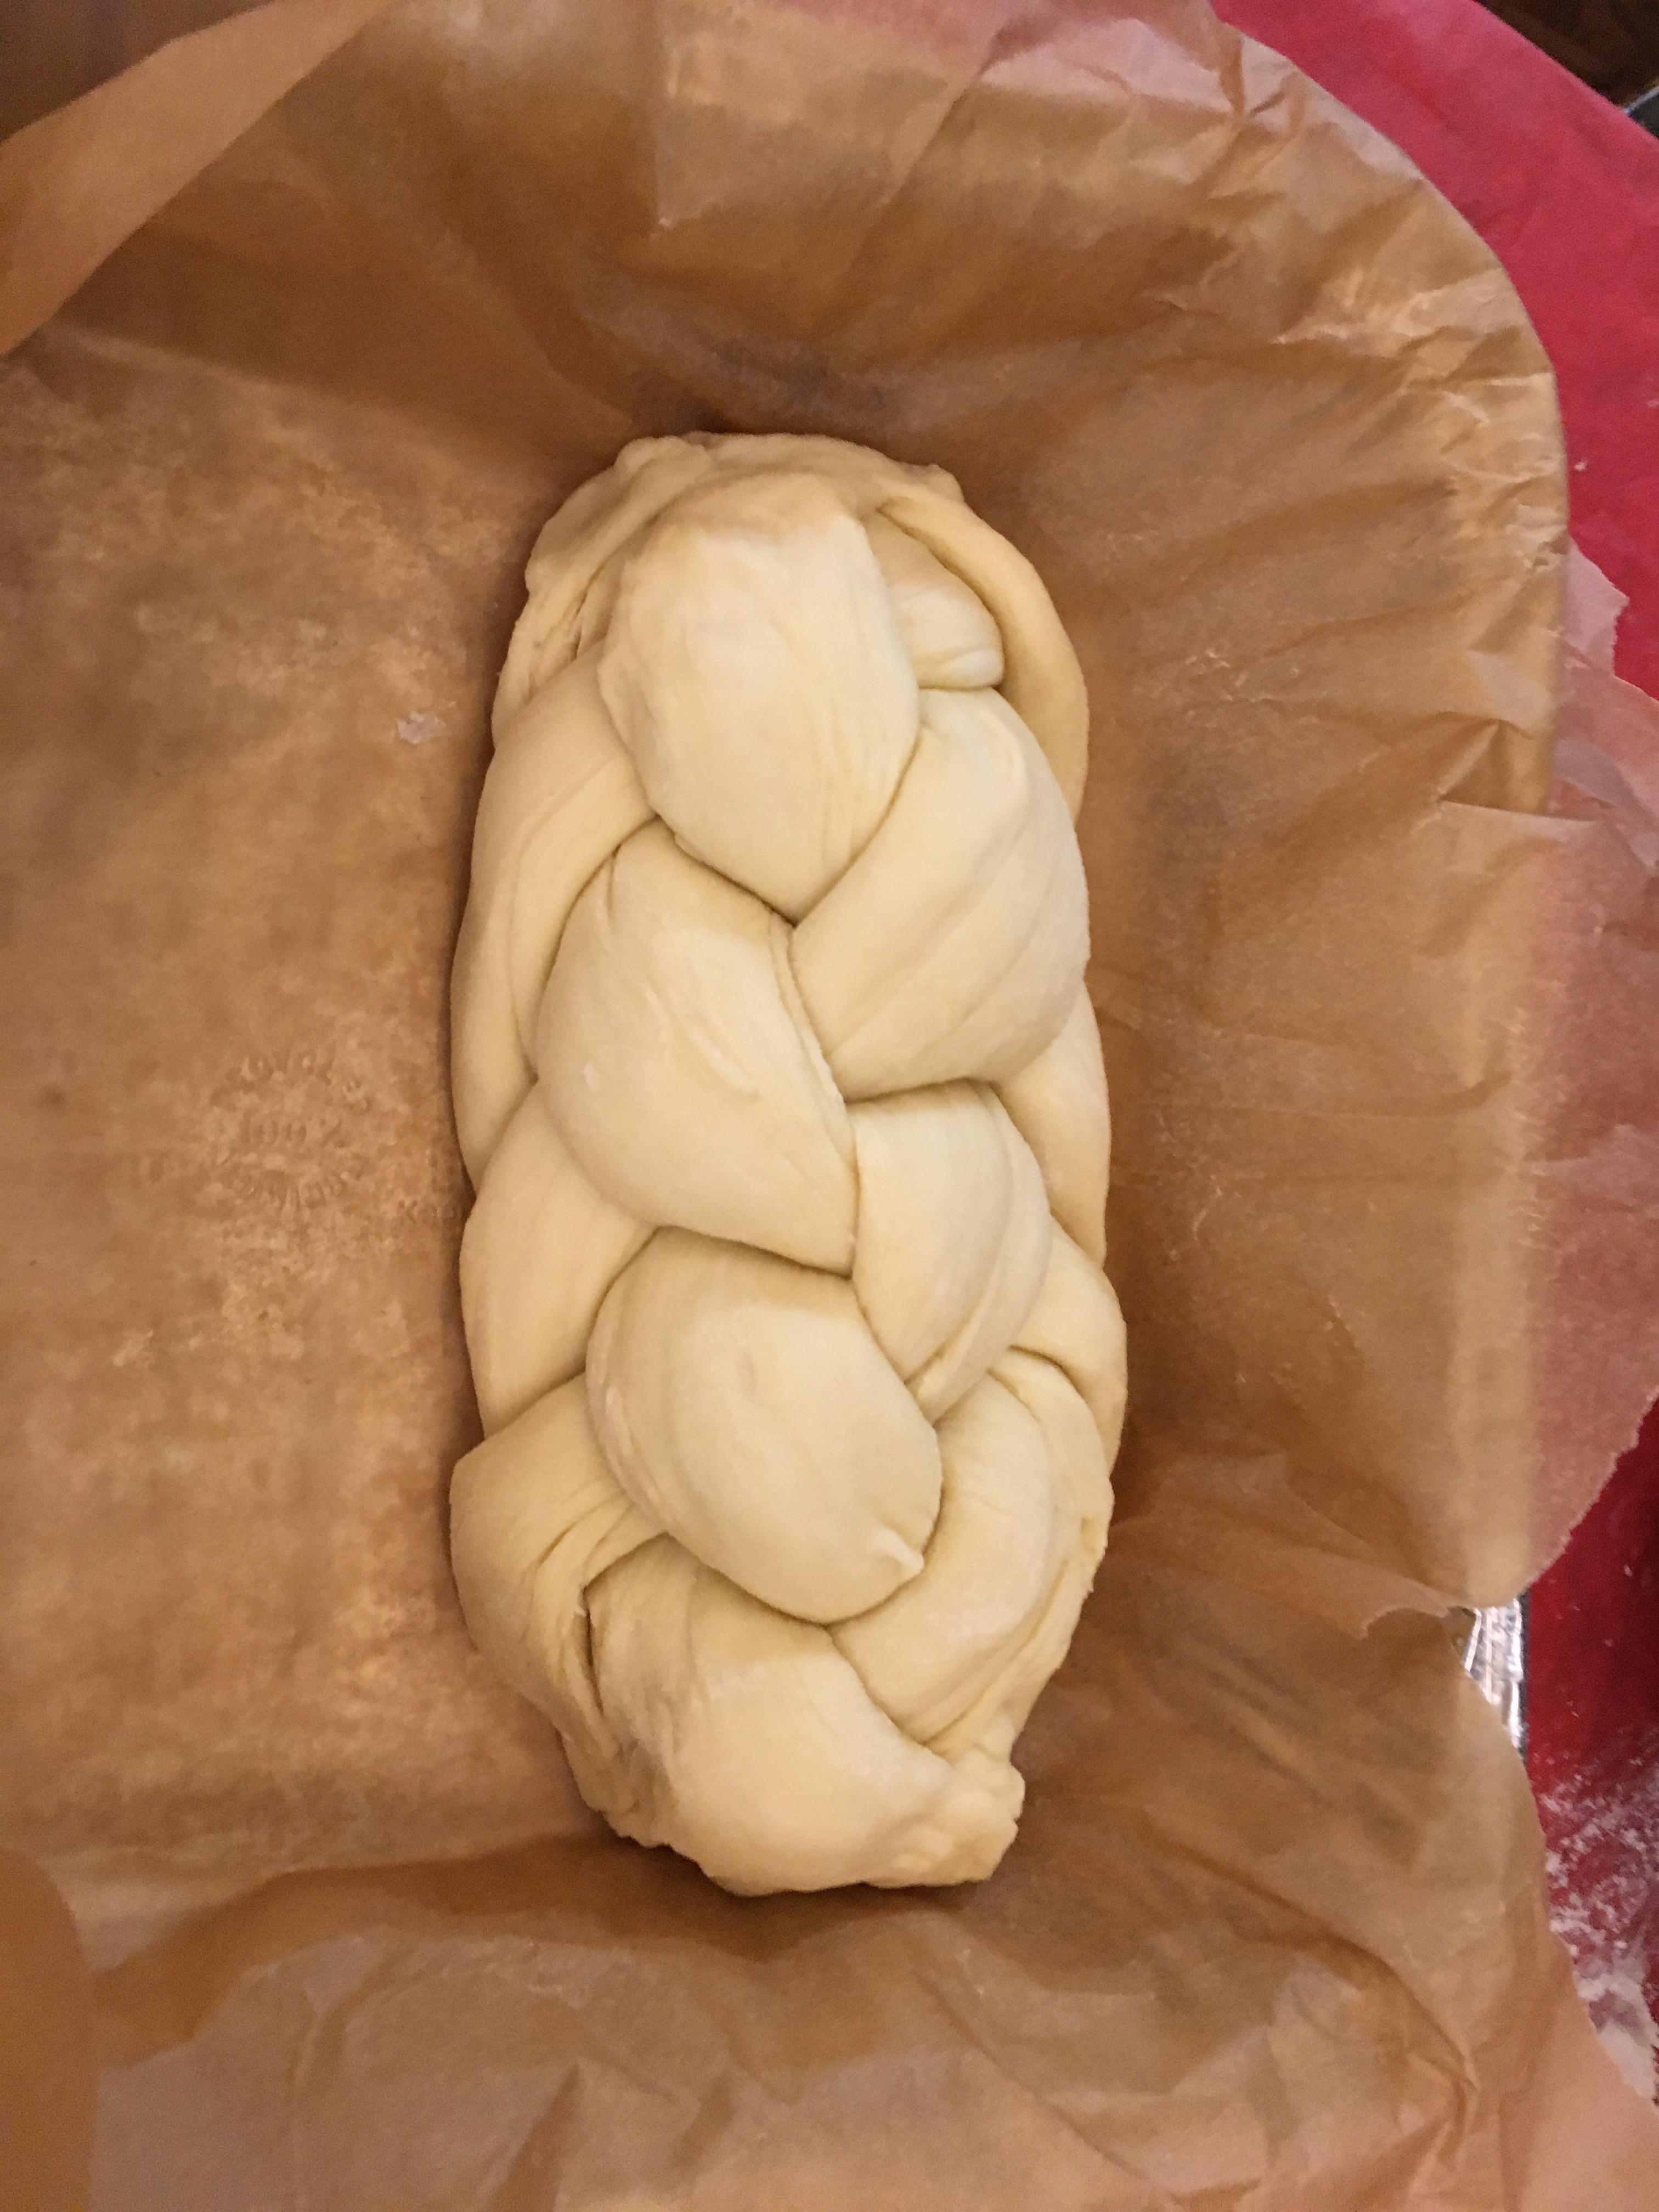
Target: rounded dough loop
{"type": "Point", "coordinates": [1076, 1325]}
{"type": "Point", "coordinates": [939, 1643]}
{"type": "Point", "coordinates": [675, 1061]}
{"type": "Point", "coordinates": [755, 651]}
{"type": "Point", "coordinates": [766, 1750]}
{"type": "Point", "coordinates": [1058, 1103]}
{"type": "Point", "coordinates": [955, 943]}
{"type": "Point", "coordinates": [561, 796]}
{"type": "Point", "coordinates": [953, 644]}
{"type": "Point", "coordinates": [541, 1248]}
{"type": "Point", "coordinates": [744, 1406]}
{"type": "Point", "coordinates": [954, 1235]}
{"type": "Point", "coordinates": [782, 1098]}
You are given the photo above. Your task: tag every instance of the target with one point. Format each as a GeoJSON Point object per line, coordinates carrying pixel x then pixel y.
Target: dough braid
{"type": "Point", "coordinates": [777, 1081]}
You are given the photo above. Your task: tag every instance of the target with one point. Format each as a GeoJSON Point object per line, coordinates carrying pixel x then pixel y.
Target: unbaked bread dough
{"type": "Point", "coordinates": [782, 1099]}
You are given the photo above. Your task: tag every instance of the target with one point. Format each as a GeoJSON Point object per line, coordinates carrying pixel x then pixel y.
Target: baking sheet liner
{"type": "Point", "coordinates": [1272, 425]}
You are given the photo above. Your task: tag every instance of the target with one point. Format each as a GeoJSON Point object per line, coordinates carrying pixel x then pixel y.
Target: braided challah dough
{"type": "Point", "coordinates": [783, 1097]}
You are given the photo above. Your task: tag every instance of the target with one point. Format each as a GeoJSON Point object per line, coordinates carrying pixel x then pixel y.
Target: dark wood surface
{"type": "Point", "coordinates": [53, 49]}
{"type": "Point", "coordinates": [1611, 44]}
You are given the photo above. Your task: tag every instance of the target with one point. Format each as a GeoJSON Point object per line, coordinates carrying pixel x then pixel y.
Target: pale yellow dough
{"type": "Point", "coordinates": [783, 1097]}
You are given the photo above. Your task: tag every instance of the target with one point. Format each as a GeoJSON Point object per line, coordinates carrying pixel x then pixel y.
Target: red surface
{"type": "Point", "coordinates": [1565, 190]}
{"type": "Point", "coordinates": [1594, 1707]}
{"type": "Point", "coordinates": [1594, 1672]}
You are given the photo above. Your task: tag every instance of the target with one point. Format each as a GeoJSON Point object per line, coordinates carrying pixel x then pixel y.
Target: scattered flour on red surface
{"type": "Point", "coordinates": [1604, 1903]}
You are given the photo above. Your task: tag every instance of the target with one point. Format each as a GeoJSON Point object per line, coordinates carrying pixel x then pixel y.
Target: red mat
{"type": "Point", "coordinates": [1565, 190]}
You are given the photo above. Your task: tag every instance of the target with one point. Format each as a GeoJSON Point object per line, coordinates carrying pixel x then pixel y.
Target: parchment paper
{"type": "Point", "coordinates": [1273, 426]}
